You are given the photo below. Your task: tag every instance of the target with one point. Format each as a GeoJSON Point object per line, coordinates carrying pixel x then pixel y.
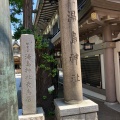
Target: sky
{"type": "Point", "coordinates": [21, 16]}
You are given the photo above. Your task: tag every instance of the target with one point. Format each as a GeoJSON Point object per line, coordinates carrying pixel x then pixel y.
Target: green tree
{"type": "Point", "coordinates": [16, 8]}
{"type": "Point", "coordinates": [46, 74]}
{"type": "Point", "coordinates": [45, 62]}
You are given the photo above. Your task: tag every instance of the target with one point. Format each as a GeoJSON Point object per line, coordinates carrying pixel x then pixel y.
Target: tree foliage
{"type": "Point", "coordinates": [16, 7]}
{"type": "Point", "coordinates": [21, 30]}
{"type": "Point", "coordinates": [18, 31]}
{"type": "Point", "coordinates": [46, 74]}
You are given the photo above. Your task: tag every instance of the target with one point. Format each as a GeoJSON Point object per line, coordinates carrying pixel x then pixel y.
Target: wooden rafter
{"type": "Point", "coordinates": [96, 18]}
{"type": "Point", "coordinates": [46, 10]}
{"type": "Point", "coordinates": [97, 13]}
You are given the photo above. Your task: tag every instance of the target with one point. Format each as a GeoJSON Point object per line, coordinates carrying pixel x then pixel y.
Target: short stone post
{"type": "Point", "coordinates": [29, 110]}
{"type": "Point", "coordinates": [72, 106]}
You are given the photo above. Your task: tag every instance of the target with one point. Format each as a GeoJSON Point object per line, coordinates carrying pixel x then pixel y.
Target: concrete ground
{"type": "Point", "coordinates": [18, 86]}
{"type": "Point", "coordinates": [104, 113]}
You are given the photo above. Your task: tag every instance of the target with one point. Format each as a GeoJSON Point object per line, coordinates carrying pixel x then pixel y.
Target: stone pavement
{"type": "Point", "coordinates": [105, 113]}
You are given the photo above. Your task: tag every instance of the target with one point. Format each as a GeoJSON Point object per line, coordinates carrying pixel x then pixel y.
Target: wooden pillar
{"type": "Point", "coordinates": [109, 65]}
{"type": "Point", "coordinates": [70, 51]}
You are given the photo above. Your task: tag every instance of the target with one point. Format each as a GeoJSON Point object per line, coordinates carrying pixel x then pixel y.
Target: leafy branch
{"type": "Point", "coordinates": [42, 44]}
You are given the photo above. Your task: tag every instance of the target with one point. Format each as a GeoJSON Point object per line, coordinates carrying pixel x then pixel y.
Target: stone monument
{"type": "Point", "coordinates": [8, 92]}
{"type": "Point", "coordinates": [28, 75]}
{"type": "Point", "coordinates": [73, 106]}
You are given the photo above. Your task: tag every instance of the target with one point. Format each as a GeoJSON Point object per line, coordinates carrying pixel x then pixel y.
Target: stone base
{"type": "Point", "coordinates": [86, 110]}
{"type": "Point", "coordinates": [38, 116]}
{"type": "Point", "coordinates": [108, 103]}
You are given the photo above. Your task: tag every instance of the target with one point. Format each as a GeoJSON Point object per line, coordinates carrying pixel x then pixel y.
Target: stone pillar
{"type": "Point", "coordinates": [86, 110]}
{"type": "Point", "coordinates": [8, 92]}
{"type": "Point", "coordinates": [28, 75]}
{"type": "Point", "coordinates": [72, 106]}
{"type": "Point", "coordinates": [70, 51]}
{"type": "Point", "coordinates": [109, 65]}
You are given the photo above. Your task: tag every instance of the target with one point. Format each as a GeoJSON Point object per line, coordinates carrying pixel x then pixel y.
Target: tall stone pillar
{"type": "Point", "coordinates": [70, 51]}
{"type": "Point", "coordinates": [109, 65]}
{"type": "Point", "coordinates": [73, 106]}
{"type": "Point", "coordinates": [8, 92]}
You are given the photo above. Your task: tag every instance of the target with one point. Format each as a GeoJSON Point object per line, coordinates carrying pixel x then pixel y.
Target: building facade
{"type": "Point", "coordinates": [17, 57]}
{"type": "Point", "coordinates": [99, 31]}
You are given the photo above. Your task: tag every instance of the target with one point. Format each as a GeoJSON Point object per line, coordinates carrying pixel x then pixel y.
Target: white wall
{"type": "Point", "coordinates": [117, 69]}
{"type": "Point", "coordinates": [94, 39]}
{"type": "Point", "coordinates": [102, 71]}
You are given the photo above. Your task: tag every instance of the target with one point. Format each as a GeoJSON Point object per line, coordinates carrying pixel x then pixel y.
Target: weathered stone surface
{"type": "Point", "coordinates": [31, 117]}
{"type": "Point", "coordinates": [8, 92]}
{"type": "Point", "coordinates": [28, 74]}
{"type": "Point", "coordinates": [87, 106]}
{"type": "Point", "coordinates": [86, 110]}
{"type": "Point", "coordinates": [38, 116]}
{"type": "Point", "coordinates": [70, 51]}
{"type": "Point", "coordinates": [91, 116]}
{"type": "Point", "coordinates": [63, 109]}
{"type": "Point", "coordinates": [74, 117]}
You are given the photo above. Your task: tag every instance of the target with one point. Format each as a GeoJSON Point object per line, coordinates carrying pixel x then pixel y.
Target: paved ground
{"type": "Point", "coordinates": [18, 85]}
{"type": "Point", "coordinates": [105, 113]}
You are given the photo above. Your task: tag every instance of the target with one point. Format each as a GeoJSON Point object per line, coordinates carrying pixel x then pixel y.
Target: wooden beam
{"type": "Point", "coordinates": [88, 27]}
{"type": "Point", "coordinates": [106, 12]}
{"type": "Point", "coordinates": [96, 31]}
{"type": "Point", "coordinates": [95, 17]}
{"type": "Point", "coordinates": [106, 4]}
